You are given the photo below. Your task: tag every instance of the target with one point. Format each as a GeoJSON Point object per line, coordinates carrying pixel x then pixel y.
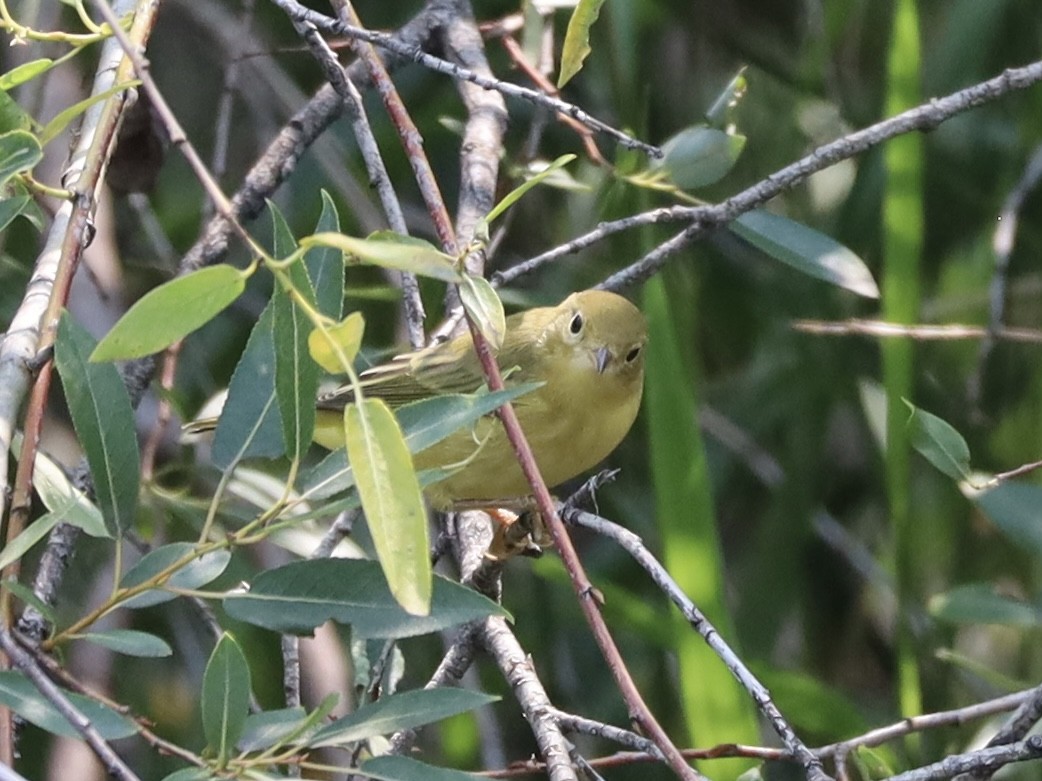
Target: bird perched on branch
{"type": "Point", "coordinates": [588, 353]}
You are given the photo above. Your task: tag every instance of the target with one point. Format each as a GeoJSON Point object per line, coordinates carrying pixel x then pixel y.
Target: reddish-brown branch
{"type": "Point", "coordinates": [584, 590]}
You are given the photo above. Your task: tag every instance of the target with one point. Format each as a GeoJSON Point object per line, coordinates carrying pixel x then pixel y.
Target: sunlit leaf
{"type": "Point", "coordinates": [536, 178]}
{"type": "Point", "coordinates": [67, 502]}
{"type": "Point", "coordinates": [301, 596]}
{"type": "Point", "coordinates": [392, 501]}
{"type": "Point", "coordinates": [53, 128]}
{"type": "Point", "coordinates": [27, 71]}
{"type": "Point", "coordinates": [225, 696]}
{"type": "Point", "coordinates": [576, 46]}
{"type": "Point", "coordinates": [806, 250]}
{"type": "Point", "coordinates": [346, 335]}
{"type": "Point", "coordinates": [170, 312]}
{"type": "Point", "coordinates": [399, 711]}
{"type": "Point", "coordinates": [485, 308]}
{"type": "Point", "coordinates": [19, 151]}
{"type": "Point", "coordinates": [980, 603]}
{"type": "Point", "coordinates": [720, 113]}
{"type": "Point", "coordinates": [194, 574]}
{"type": "Point", "coordinates": [699, 156]}
{"type": "Point", "coordinates": [938, 443]}
{"type": "Point", "coordinates": [104, 423]}
{"type": "Point", "coordinates": [391, 251]}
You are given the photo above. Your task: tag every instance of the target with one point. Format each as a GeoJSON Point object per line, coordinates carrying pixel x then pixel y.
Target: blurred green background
{"type": "Point", "coordinates": [757, 469]}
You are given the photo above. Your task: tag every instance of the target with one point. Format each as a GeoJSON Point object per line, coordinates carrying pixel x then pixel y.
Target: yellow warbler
{"type": "Point", "coordinates": [588, 351]}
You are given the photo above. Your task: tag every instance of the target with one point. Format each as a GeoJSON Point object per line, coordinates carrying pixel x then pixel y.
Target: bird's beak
{"type": "Point", "coordinates": [601, 358]}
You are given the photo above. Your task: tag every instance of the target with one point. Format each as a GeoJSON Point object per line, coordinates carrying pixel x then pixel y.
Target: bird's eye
{"type": "Point", "coordinates": [631, 356]}
{"type": "Point", "coordinates": [576, 326]}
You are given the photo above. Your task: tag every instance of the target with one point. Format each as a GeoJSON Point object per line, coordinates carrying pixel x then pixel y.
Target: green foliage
{"type": "Point", "coordinates": [104, 422]}
{"type": "Point", "coordinates": [225, 697]}
{"type": "Point", "coordinates": [391, 497]}
{"type": "Point", "coordinates": [21, 696]}
{"type": "Point", "coordinates": [301, 596]}
{"type": "Point", "coordinates": [171, 312]}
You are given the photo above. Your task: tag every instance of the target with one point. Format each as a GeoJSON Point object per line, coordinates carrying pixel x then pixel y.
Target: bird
{"type": "Point", "coordinates": [588, 354]}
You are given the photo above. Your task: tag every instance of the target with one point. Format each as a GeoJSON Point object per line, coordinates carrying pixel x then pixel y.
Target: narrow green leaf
{"type": "Point", "coordinates": [270, 728]}
{"type": "Point", "coordinates": [394, 768]}
{"type": "Point", "coordinates": [1016, 508]}
{"type": "Point", "coordinates": [225, 696]}
{"type": "Point", "coordinates": [19, 694]}
{"type": "Point", "coordinates": [938, 443]}
{"type": "Point", "coordinates": [406, 710]}
{"type": "Point", "coordinates": [806, 250]}
{"type": "Point", "coordinates": [347, 335]}
{"type": "Point", "coordinates": [392, 251]}
{"type": "Point", "coordinates": [13, 116]}
{"type": "Point", "coordinates": [53, 128]}
{"type": "Point", "coordinates": [27, 71]}
{"type": "Point", "coordinates": [280, 727]}
{"type": "Point", "coordinates": [424, 423]}
{"type": "Point", "coordinates": [699, 156]}
{"type": "Point", "coordinates": [28, 596]}
{"type": "Point", "coordinates": [67, 502]}
{"type": "Point", "coordinates": [300, 596]}
{"type": "Point", "coordinates": [19, 151]}
{"type": "Point", "coordinates": [195, 574]}
{"type": "Point", "coordinates": [392, 501]}
{"type": "Point", "coordinates": [296, 375]}
{"type": "Point", "coordinates": [485, 308]}
{"type": "Point", "coordinates": [721, 113]}
{"type": "Point", "coordinates": [30, 535]}
{"type": "Point", "coordinates": [979, 603]}
{"type": "Point", "coordinates": [537, 178]}
{"type": "Point", "coordinates": [326, 264]}
{"type": "Point", "coordinates": [12, 207]}
{"type": "Point", "coordinates": [130, 642]}
{"type": "Point", "coordinates": [250, 424]}
{"type": "Point", "coordinates": [170, 312]}
{"type": "Point", "coordinates": [104, 423]}
{"type": "Point", "coordinates": [192, 774]}
{"type": "Point", "coordinates": [576, 46]}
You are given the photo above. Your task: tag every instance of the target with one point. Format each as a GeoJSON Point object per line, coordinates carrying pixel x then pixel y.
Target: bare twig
{"type": "Point", "coordinates": [374, 164]}
{"type": "Point", "coordinates": [520, 673]}
{"type": "Point", "coordinates": [1002, 245]}
{"type": "Point", "coordinates": [633, 545]}
{"type": "Point", "coordinates": [939, 333]}
{"type": "Point", "coordinates": [987, 760]}
{"type": "Point", "coordinates": [21, 659]}
{"type": "Point", "coordinates": [704, 219]}
{"type": "Point", "coordinates": [297, 11]}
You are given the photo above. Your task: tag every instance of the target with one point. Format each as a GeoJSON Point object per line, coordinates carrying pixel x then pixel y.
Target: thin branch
{"type": "Point", "coordinates": [374, 164]}
{"type": "Point", "coordinates": [21, 659]}
{"type": "Point", "coordinates": [937, 333]}
{"type": "Point", "coordinates": [516, 666]}
{"type": "Point", "coordinates": [704, 219]}
{"type": "Point", "coordinates": [297, 11]}
{"type": "Point", "coordinates": [584, 590]}
{"type": "Point", "coordinates": [987, 760]}
{"type": "Point", "coordinates": [1002, 245]}
{"type": "Point", "coordinates": [633, 545]}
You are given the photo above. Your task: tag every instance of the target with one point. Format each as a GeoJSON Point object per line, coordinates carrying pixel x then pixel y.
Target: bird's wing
{"type": "Point", "coordinates": [414, 376]}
